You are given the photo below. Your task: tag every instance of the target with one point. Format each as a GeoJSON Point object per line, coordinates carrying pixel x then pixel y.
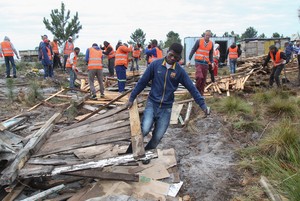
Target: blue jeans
{"type": "Point", "coordinates": [48, 69]}
{"type": "Point", "coordinates": [159, 119]}
{"type": "Point", "coordinates": [135, 60]}
{"type": "Point", "coordinates": [12, 61]}
{"type": "Point", "coordinates": [121, 75]}
{"type": "Point", "coordinates": [232, 64]}
{"type": "Point", "coordinates": [73, 77]}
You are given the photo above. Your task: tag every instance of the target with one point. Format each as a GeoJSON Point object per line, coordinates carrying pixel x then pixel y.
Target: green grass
{"type": "Point", "coordinates": [71, 112]}
{"type": "Point", "coordinates": [233, 105]}
{"type": "Point", "coordinates": [283, 107]}
{"type": "Point", "coordinates": [34, 94]}
{"type": "Point", "coordinates": [254, 126]}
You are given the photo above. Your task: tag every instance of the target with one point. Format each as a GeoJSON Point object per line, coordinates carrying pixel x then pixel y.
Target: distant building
{"type": "Point", "coordinates": [259, 46]}
{"type": "Point", "coordinates": [224, 43]}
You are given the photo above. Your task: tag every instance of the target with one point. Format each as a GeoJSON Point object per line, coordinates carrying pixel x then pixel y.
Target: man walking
{"type": "Point", "coordinates": [47, 59]}
{"type": "Point", "coordinates": [68, 48]}
{"type": "Point", "coordinates": [93, 57]}
{"type": "Point", "coordinates": [110, 53]}
{"type": "Point", "coordinates": [166, 74]}
{"type": "Point", "coordinates": [233, 52]}
{"type": "Point", "coordinates": [8, 50]}
{"type": "Point", "coordinates": [71, 65]}
{"type": "Point", "coordinates": [279, 60]}
{"type": "Point", "coordinates": [121, 64]}
{"type": "Point", "coordinates": [55, 49]}
{"type": "Point", "coordinates": [203, 50]}
{"type": "Point", "coordinates": [136, 54]}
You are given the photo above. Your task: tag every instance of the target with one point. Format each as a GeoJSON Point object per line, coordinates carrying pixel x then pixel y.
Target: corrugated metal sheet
{"type": "Point", "coordinates": [189, 42]}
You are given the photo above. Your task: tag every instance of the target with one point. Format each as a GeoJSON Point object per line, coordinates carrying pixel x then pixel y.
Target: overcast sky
{"type": "Point", "coordinates": [115, 20]}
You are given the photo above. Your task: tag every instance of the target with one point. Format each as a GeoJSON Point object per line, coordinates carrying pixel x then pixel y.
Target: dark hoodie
{"type": "Point", "coordinates": [239, 51]}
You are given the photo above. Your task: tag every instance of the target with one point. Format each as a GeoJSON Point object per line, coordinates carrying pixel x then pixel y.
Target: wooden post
{"type": "Point", "coordinates": [45, 193]}
{"type": "Point", "coordinates": [137, 139]}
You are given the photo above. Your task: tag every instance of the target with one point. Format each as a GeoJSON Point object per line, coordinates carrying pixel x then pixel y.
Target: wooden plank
{"type": "Point", "coordinates": [96, 174]}
{"type": "Point", "coordinates": [11, 196]}
{"type": "Point", "coordinates": [136, 132]}
{"type": "Point", "coordinates": [92, 151]}
{"type": "Point", "coordinates": [176, 109]}
{"type": "Point", "coordinates": [271, 192]}
{"type": "Point", "coordinates": [46, 100]}
{"type": "Point", "coordinates": [157, 171]}
{"type": "Point", "coordinates": [106, 105]}
{"type": "Point", "coordinates": [188, 113]}
{"type": "Point", "coordinates": [32, 170]}
{"type": "Point", "coordinates": [94, 139]}
{"type": "Point", "coordinates": [99, 102]}
{"type": "Point", "coordinates": [102, 163]}
{"type": "Point", "coordinates": [82, 84]}
{"type": "Point", "coordinates": [62, 197]}
{"type": "Point", "coordinates": [45, 193]}
{"type": "Point", "coordinates": [10, 173]}
{"type": "Point", "coordinates": [11, 123]}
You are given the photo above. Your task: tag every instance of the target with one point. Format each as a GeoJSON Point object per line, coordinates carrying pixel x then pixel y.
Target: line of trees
{"type": "Point", "coordinates": [62, 26]}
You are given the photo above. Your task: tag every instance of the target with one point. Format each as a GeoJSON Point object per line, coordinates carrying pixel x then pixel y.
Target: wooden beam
{"type": "Point", "coordinates": [45, 100]}
{"type": "Point", "coordinates": [16, 191]}
{"type": "Point", "coordinates": [188, 113]}
{"type": "Point", "coordinates": [106, 105]}
{"type": "Point", "coordinates": [10, 173]}
{"type": "Point", "coordinates": [102, 163]}
{"type": "Point", "coordinates": [45, 193]}
{"type": "Point", "coordinates": [96, 174]}
{"type": "Point", "coordinates": [137, 138]}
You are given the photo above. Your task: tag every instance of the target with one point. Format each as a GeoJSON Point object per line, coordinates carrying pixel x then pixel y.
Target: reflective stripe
{"type": "Point", "coordinates": [120, 55]}
{"type": "Point", "coordinates": [121, 80]}
{"type": "Point", "coordinates": [95, 65]}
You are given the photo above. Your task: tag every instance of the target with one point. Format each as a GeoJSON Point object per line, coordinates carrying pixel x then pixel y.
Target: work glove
{"type": "Point", "coordinates": [129, 104]}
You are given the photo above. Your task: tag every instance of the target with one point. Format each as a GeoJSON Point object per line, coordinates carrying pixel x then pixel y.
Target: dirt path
{"type": "Point", "coordinates": [205, 157]}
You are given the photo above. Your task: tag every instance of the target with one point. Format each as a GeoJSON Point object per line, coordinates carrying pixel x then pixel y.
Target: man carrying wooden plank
{"type": "Point", "coordinates": [166, 74]}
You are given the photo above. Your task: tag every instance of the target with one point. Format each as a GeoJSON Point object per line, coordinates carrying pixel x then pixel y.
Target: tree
{"type": "Point", "coordinates": [249, 33]}
{"type": "Point", "coordinates": [61, 25]}
{"type": "Point", "coordinates": [172, 37]}
{"type": "Point", "coordinates": [276, 35]}
{"type": "Point", "coordinates": [138, 36]}
{"type": "Point", "coordinates": [262, 36]}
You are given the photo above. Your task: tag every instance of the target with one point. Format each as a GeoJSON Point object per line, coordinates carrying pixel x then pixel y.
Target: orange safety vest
{"type": "Point", "coordinates": [95, 59]}
{"type": "Point", "coordinates": [277, 59]}
{"type": "Point", "coordinates": [68, 64]}
{"type": "Point", "coordinates": [112, 53]}
{"type": "Point", "coordinates": [7, 49]}
{"type": "Point", "coordinates": [159, 55]}
{"type": "Point", "coordinates": [136, 53]}
{"type": "Point", "coordinates": [121, 58]}
{"type": "Point", "coordinates": [233, 54]}
{"type": "Point", "coordinates": [202, 52]}
{"type": "Point", "coordinates": [48, 53]}
{"type": "Point", "coordinates": [54, 46]}
{"type": "Point", "coordinates": [68, 48]}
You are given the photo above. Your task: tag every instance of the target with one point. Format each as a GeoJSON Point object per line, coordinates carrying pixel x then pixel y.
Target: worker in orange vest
{"type": "Point", "coordinates": [216, 58]}
{"type": "Point", "coordinates": [71, 66]}
{"type": "Point", "coordinates": [93, 57]}
{"type": "Point", "coordinates": [121, 64]}
{"type": "Point", "coordinates": [233, 53]}
{"type": "Point", "coordinates": [155, 52]}
{"type": "Point", "coordinates": [56, 57]}
{"type": "Point", "coordinates": [110, 53]}
{"type": "Point", "coordinates": [278, 58]}
{"type": "Point", "coordinates": [68, 48]}
{"type": "Point", "coordinates": [203, 50]}
{"type": "Point", "coordinates": [136, 54]}
{"type": "Point", "coordinates": [47, 59]}
{"type": "Point", "coordinates": [8, 50]}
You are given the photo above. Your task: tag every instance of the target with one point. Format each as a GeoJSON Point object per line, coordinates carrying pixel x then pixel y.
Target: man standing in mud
{"type": "Point", "coordinates": [166, 74]}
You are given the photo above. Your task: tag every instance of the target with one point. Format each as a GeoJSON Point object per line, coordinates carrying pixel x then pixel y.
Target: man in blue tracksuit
{"type": "Point", "coordinates": [166, 74]}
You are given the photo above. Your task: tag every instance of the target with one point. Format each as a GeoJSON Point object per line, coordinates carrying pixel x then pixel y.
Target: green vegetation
{"type": "Point", "coordinates": [34, 95]}
{"type": "Point", "coordinates": [10, 89]}
{"type": "Point", "coordinates": [72, 111]}
{"type": "Point", "coordinates": [233, 105]}
{"type": "Point", "coordinates": [277, 154]}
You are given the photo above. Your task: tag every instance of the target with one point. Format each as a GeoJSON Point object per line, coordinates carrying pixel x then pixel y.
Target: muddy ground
{"type": "Point", "coordinates": [206, 158]}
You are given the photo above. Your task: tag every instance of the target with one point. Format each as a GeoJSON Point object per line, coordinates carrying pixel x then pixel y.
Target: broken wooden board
{"type": "Point", "coordinates": [12, 122]}
{"type": "Point", "coordinates": [137, 139]}
{"type": "Point", "coordinates": [176, 109]}
{"type": "Point", "coordinates": [156, 172]}
{"type": "Point", "coordinates": [44, 194]}
{"type": "Point", "coordinates": [98, 174]}
{"type": "Point", "coordinates": [102, 163]}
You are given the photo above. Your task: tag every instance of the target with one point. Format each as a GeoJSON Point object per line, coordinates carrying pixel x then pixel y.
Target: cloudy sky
{"type": "Point", "coordinates": [116, 19]}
